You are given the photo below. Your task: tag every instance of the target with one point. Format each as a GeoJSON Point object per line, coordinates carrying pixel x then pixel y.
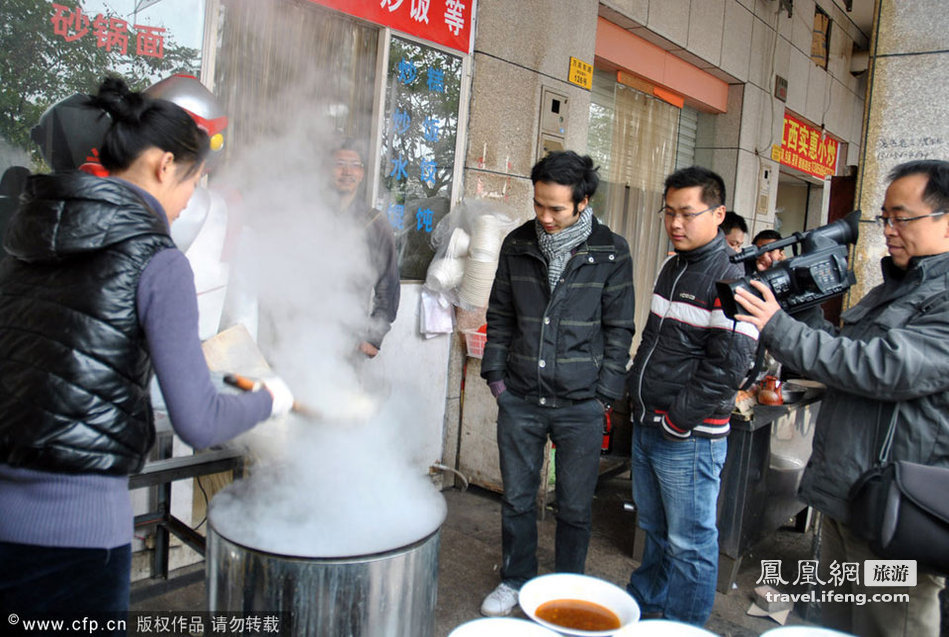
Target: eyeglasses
{"type": "Point", "coordinates": [348, 164]}
{"type": "Point", "coordinates": [900, 222]}
{"type": "Point", "coordinates": [686, 217]}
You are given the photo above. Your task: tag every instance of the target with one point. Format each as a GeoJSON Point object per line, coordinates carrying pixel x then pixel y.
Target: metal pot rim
{"type": "Point", "coordinates": [347, 559]}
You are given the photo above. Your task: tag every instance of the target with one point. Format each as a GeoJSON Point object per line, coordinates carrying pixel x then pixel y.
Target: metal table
{"type": "Point", "coordinates": [161, 473]}
{"type": "Point", "coordinates": [766, 459]}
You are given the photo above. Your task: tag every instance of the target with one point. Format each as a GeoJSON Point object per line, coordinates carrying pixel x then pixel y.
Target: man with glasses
{"type": "Point", "coordinates": [347, 173]}
{"type": "Point", "coordinates": [892, 350]}
{"type": "Point", "coordinates": [683, 382]}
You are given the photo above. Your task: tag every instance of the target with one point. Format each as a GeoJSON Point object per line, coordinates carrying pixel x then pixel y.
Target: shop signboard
{"type": "Point", "coordinates": [445, 22]}
{"type": "Point", "coordinates": [807, 148]}
{"type": "Point", "coordinates": [581, 73]}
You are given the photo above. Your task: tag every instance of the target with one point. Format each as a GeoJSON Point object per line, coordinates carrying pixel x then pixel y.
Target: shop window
{"type": "Point", "coordinates": [291, 64]}
{"type": "Point", "coordinates": [418, 148]}
{"type": "Point", "coordinates": [633, 137]}
{"type": "Point", "coordinates": [820, 42]}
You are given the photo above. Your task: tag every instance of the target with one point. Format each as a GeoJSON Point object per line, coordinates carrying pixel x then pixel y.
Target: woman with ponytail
{"type": "Point", "coordinates": [93, 297]}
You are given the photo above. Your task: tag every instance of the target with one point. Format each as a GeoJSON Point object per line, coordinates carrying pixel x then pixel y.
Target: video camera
{"type": "Point", "coordinates": [820, 272]}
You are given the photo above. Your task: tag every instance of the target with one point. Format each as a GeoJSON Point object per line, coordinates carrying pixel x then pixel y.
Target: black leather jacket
{"type": "Point", "coordinates": [692, 358]}
{"type": "Point", "coordinates": [555, 349]}
{"type": "Point", "coordinates": [74, 364]}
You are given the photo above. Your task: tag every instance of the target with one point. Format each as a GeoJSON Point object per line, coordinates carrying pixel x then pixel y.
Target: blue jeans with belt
{"type": "Point", "coordinates": [675, 487]}
{"type": "Point", "coordinates": [577, 430]}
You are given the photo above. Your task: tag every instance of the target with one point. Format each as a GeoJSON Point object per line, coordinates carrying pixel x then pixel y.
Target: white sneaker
{"type": "Point", "coordinates": [501, 601]}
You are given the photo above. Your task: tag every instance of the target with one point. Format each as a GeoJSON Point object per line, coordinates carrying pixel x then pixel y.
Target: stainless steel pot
{"type": "Point", "coordinates": [384, 594]}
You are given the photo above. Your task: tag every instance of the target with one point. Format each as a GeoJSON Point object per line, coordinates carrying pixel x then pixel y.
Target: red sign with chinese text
{"type": "Point", "coordinates": [71, 24]}
{"type": "Point", "coordinates": [808, 149]}
{"type": "Point", "coordinates": [445, 22]}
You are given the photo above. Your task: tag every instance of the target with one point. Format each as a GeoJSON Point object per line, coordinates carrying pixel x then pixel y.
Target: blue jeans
{"type": "Point", "coordinates": [43, 581]}
{"type": "Point", "coordinates": [523, 428]}
{"type": "Point", "coordinates": [675, 487]}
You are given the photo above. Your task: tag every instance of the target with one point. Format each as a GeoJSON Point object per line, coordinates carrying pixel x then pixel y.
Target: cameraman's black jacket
{"type": "Point", "coordinates": [573, 344]}
{"type": "Point", "coordinates": [74, 364]}
{"type": "Point", "coordinates": [692, 358]}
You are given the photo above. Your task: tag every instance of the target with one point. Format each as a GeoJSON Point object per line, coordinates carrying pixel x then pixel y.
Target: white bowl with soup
{"type": "Point", "coordinates": [581, 605]}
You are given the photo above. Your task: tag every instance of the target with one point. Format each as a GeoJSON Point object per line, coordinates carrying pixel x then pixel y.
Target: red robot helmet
{"type": "Point", "coordinates": [190, 94]}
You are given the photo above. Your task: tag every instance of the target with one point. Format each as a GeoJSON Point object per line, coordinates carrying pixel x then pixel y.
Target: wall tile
{"type": "Point", "coordinates": [818, 93]}
{"type": "Point", "coordinates": [763, 43]}
{"type": "Point", "coordinates": [637, 10]}
{"type": "Point", "coordinates": [543, 44]}
{"type": "Point", "coordinates": [746, 184]}
{"type": "Point", "coordinates": [706, 19]}
{"type": "Point", "coordinates": [666, 19]}
{"type": "Point", "coordinates": [802, 25]}
{"type": "Point", "coordinates": [798, 74]}
{"type": "Point", "coordinates": [736, 48]}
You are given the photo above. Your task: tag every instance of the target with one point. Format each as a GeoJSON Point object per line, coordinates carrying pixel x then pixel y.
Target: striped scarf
{"type": "Point", "coordinates": [558, 247]}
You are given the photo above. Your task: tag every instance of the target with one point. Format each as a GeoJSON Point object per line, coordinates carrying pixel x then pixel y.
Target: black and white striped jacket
{"type": "Point", "coordinates": [692, 358]}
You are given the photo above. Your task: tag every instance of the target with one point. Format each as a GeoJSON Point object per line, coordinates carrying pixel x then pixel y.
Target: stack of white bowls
{"type": "Point", "coordinates": [447, 272]}
{"type": "Point", "coordinates": [482, 262]}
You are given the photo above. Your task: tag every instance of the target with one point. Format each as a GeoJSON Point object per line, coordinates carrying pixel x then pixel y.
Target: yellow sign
{"type": "Point", "coordinates": [776, 152]}
{"type": "Point", "coordinates": [581, 73]}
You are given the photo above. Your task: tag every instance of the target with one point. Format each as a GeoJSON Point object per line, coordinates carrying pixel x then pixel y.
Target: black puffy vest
{"type": "Point", "coordinates": [74, 364]}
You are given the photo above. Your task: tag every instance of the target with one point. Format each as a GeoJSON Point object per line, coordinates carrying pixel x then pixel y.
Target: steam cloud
{"type": "Point", "coordinates": [344, 483]}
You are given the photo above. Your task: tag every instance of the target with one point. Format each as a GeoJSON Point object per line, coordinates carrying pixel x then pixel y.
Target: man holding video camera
{"type": "Point", "coordinates": [892, 349]}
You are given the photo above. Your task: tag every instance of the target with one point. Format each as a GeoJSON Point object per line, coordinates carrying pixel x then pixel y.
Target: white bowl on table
{"type": "Point", "coordinates": [501, 627]}
{"type": "Point", "coordinates": [547, 588]}
{"type": "Point", "coordinates": [663, 628]}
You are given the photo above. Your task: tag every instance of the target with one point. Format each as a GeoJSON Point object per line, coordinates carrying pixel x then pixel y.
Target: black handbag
{"type": "Point", "coordinates": [902, 509]}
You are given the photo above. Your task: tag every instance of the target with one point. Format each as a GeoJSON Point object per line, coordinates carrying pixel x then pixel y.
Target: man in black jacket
{"type": "Point", "coordinates": [683, 383]}
{"type": "Point", "coordinates": [560, 325]}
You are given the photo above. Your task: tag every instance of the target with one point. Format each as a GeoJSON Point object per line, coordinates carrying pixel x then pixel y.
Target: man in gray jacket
{"type": "Point", "coordinates": [891, 351]}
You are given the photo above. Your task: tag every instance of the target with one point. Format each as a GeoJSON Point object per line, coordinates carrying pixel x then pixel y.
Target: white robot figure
{"type": "Point", "coordinates": [202, 231]}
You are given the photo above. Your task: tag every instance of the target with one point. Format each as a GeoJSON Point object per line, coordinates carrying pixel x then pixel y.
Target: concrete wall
{"type": "Point", "coordinates": [906, 118]}
{"type": "Point", "coordinates": [517, 53]}
{"type": "Point", "coordinates": [762, 41]}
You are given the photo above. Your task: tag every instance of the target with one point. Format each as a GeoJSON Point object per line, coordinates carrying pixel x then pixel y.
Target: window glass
{"type": "Point", "coordinates": [633, 137]}
{"type": "Point", "coordinates": [418, 148]}
{"type": "Point", "coordinates": [293, 60]}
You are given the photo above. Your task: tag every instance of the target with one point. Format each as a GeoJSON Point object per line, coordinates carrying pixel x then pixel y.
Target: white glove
{"type": "Point", "coordinates": [281, 395]}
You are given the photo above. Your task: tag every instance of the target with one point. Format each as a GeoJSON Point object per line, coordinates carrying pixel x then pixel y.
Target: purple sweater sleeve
{"type": "Point", "coordinates": [168, 312]}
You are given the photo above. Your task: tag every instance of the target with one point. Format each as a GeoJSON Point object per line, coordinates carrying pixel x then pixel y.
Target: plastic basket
{"type": "Point", "coordinates": [474, 341]}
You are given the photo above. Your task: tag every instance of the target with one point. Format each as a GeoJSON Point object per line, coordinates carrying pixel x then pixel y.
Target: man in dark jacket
{"type": "Point", "coordinates": [560, 324]}
{"type": "Point", "coordinates": [683, 383]}
{"type": "Point", "coordinates": [348, 171]}
{"type": "Point", "coordinates": [890, 355]}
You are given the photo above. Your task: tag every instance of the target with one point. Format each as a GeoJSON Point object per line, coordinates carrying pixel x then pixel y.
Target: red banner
{"type": "Point", "coordinates": [445, 22]}
{"type": "Point", "coordinates": [808, 148]}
